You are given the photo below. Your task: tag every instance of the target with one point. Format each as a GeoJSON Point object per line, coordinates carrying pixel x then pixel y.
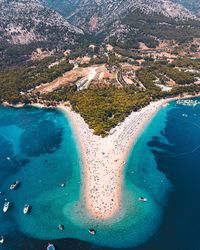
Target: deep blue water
{"type": "Point", "coordinates": [43, 153]}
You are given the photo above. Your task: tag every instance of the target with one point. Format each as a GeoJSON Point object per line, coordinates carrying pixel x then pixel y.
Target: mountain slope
{"type": "Point", "coordinates": [25, 21]}
{"type": "Point", "coordinates": [93, 14]}
{"type": "Point", "coordinates": [57, 24]}
{"type": "Point", "coordinates": [192, 5]}
{"type": "Point", "coordinates": [64, 7]}
{"type": "Point", "coordinates": [131, 21]}
{"type": "Point", "coordinates": [28, 24]}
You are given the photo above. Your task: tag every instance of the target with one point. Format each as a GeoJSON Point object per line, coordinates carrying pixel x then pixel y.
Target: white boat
{"type": "Point", "coordinates": [188, 102]}
{"type": "Point", "coordinates": [143, 199]}
{"type": "Point", "coordinates": [1, 240]}
{"type": "Point", "coordinates": [92, 231]}
{"type": "Point", "coordinates": [51, 247]}
{"type": "Point", "coordinates": [26, 209]}
{"type": "Point", "coordinates": [6, 206]}
{"type": "Point", "coordinates": [62, 184]}
{"type": "Point", "coordinates": [61, 227]}
{"type": "Point", "coordinates": [14, 185]}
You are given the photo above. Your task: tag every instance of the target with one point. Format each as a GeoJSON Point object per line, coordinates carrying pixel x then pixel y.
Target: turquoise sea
{"type": "Point", "coordinates": [38, 148]}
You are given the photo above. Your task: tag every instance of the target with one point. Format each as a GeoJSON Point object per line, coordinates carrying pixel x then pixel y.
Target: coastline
{"type": "Point", "coordinates": [103, 159]}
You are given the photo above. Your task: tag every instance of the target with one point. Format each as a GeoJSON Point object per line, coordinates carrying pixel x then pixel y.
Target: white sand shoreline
{"type": "Point", "coordinates": [103, 159]}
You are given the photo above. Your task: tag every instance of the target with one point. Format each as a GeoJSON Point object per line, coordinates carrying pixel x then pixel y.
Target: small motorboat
{"type": "Point", "coordinates": [62, 184]}
{"type": "Point", "coordinates": [51, 247]}
{"type": "Point", "coordinates": [1, 239]}
{"type": "Point", "coordinates": [92, 231]}
{"type": "Point", "coordinates": [26, 209]}
{"type": "Point", "coordinates": [6, 206]}
{"type": "Point", "coordinates": [143, 199]}
{"type": "Point", "coordinates": [14, 185]}
{"type": "Point", "coordinates": [61, 227]}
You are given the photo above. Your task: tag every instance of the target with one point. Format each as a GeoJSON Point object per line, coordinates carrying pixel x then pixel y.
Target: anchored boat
{"type": "Point", "coordinates": [14, 185]}
{"type": "Point", "coordinates": [62, 184]}
{"type": "Point", "coordinates": [26, 209]}
{"type": "Point", "coordinates": [1, 240]}
{"type": "Point", "coordinates": [6, 206]}
{"type": "Point", "coordinates": [61, 227]}
{"type": "Point", "coordinates": [143, 199]}
{"type": "Point", "coordinates": [92, 231]}
{"type": "Point", "coordinates": [51, 247]}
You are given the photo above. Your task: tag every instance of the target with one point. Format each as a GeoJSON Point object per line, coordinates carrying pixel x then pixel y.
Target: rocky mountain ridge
{"type": "Point", "coordinates": [92, 15]}
{"type": "Point", "coordinates": [192, 5]}
{"type": "Point", "coordinates": [27, 21]}
{"type": "Point", "coordinates": [129, 20]}
{"type": "Point", "coordinates": [26, 25]}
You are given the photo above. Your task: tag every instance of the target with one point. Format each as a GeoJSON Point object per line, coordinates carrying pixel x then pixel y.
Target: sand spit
{"type": "Point", "coordinates": [104, 158]}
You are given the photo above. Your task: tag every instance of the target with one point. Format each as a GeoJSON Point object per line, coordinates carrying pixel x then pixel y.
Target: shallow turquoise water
{"type": "Point", "coordinates": [42, 151]}
{"type": "Point", "coordinates": [37, 148]}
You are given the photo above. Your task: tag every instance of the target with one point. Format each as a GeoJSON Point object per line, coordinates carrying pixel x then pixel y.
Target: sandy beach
{"type": "Point", "coordinates": [103, 159]}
